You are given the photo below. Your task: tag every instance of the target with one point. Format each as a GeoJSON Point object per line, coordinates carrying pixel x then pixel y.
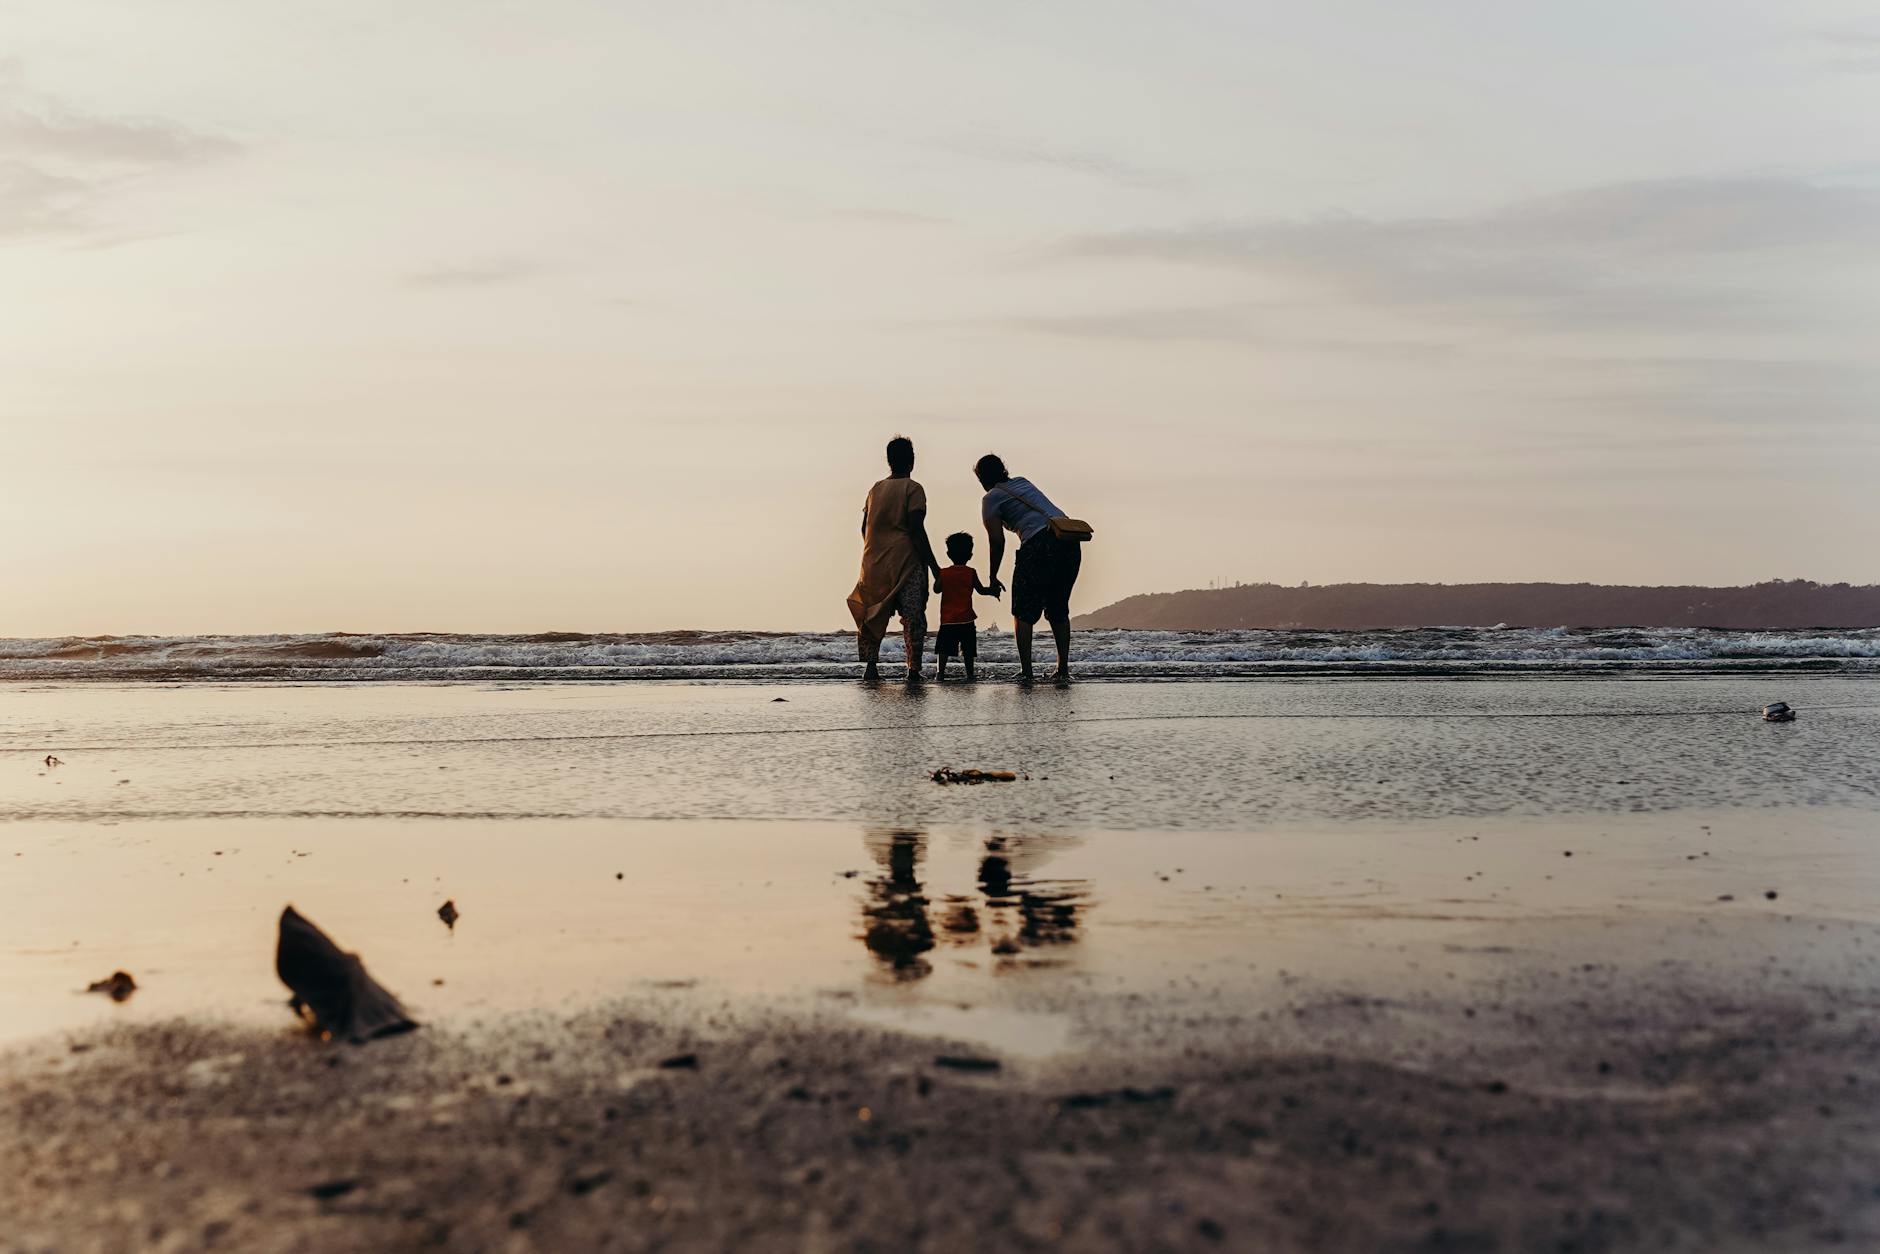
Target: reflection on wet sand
{"type": "Point", "coordinates": [894, 917]}
{"type": "Point", "coordinates": [1014, 909]}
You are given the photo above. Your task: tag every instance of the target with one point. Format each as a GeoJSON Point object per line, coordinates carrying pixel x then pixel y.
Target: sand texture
{"type": "Point", "coordinates": [1641, 1117]}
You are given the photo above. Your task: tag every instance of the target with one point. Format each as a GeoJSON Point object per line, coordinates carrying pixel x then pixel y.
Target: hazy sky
{"type": "Point", "coordinates": [539, 315]}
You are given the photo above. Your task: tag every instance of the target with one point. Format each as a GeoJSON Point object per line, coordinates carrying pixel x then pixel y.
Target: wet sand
{"type": "Point", "coordinates": [1610, 1103]}
{"type": "Point", "coordinates": [1587, 1030]}
{"type": "Point", "coordinates": [1591, 1053]}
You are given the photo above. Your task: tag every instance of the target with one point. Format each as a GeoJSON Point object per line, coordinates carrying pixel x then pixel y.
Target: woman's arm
{"type": "Point", "coordinates": [917, 527]}
{"type": "Point", "coordinates": [995, 543]}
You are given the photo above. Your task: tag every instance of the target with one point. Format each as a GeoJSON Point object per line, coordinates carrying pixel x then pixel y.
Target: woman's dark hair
{"type": "Point", "coordinates": [959, 545]}
{"type": "Point", "coordinates": [900, 455]}
{"type": "Point", "coordinates": [991, 470]}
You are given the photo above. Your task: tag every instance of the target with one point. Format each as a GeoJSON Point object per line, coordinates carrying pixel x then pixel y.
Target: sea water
{"type": "Point", "coordinates": [798, 656]}
{"type": "Point", "coordinates": [603, 839]}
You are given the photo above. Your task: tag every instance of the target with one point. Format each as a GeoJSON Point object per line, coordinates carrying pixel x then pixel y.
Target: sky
{"type": "Point", "coordinates": [471, 316]}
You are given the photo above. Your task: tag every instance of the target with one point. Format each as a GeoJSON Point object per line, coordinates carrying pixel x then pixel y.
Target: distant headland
{"type": "Point", "coordinates": [1778, 603]}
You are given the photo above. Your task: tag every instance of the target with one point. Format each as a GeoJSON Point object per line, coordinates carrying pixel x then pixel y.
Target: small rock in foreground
{"type": "Point", "coordinates": [332, 1188]}
{"type": "Point", "coordinates": [117, 986]}
{"type": "Point", "coordinates": [966, 1062]}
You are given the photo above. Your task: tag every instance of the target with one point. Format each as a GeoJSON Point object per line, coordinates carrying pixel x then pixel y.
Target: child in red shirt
{"type": "Point", "coordinates": [956, 585]}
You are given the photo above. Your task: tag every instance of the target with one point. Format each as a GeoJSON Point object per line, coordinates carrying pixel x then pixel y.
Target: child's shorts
{"type": "Point", "coordinates": [958, 638]}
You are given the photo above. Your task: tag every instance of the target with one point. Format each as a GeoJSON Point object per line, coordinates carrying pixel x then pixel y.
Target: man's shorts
{"type": "Point", "coordinates": [958, 638]}
{"type": "Point", "coordinates": [1043, 577]}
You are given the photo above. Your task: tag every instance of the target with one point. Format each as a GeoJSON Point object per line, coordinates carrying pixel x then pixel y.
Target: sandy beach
{"type": "Point", "coordinates": [855, 628]}
{"type": "Point", "coordinates": [1527, 980]}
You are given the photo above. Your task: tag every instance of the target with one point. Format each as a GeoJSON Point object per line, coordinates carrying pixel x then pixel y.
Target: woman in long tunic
{"type": "Point", "coordinates": [897, 564]}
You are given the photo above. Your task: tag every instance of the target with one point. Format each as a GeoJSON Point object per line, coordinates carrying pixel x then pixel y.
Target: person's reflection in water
{"type": "Point", "coordinates": [1023, 911]}
{"type": "Point", "coordinates": [1014, 911]}
{"type": "Point", "coordinates": [895, 926]}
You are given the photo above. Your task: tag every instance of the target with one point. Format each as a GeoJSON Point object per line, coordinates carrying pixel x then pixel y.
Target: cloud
{"type": "Point", "coordinates": [1657, 253]}
{"type": "Point", "coordinates": [1199, 322]}
{"type": "Point", "coordinates": [52, 131]}
{"type": "Point", "coordinates": [34, 202]}
{"type": "Point", "coordinates": [489, 272]}
{"type": "Point", "coordinates": [1850, 52]}
{"type": "Point", "coordinates": [63, 164]}
{"type": "Point", "coordinates": [1778, 396]}
{"type": "Point", "coordinates": [887, 217]}
{"type": "Point", "coordinates": [1008, 150]}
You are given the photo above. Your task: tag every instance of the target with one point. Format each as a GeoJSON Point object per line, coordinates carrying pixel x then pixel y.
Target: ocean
{"type": "Point", "coordinates": [803, 656]}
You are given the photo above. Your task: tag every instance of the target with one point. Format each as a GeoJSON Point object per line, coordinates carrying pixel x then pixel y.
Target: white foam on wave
{"type": "Point", "coordinates": [808, 654]}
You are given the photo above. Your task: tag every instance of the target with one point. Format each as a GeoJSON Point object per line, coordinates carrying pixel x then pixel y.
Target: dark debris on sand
{"type": "Point", "coordinates": [332, 991]}
{"type": "Point", "coordinates": [118, 986]}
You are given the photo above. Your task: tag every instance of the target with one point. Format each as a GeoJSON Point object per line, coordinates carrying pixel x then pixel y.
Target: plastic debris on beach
{"type": "Point", "coordinates": [972, 775]}
{"type": "Point", "coordinates": [1779, 712]}
{"type": "Point", "coordinates": [448, 913]}
{"type": "Point", "coordinates": [332, 991]}
{"type": "Point", "coordinates": [117, 986]}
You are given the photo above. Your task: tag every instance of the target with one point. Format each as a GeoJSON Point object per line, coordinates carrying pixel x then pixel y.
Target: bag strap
{"type": "Point", "coordinates": [1027, 504]}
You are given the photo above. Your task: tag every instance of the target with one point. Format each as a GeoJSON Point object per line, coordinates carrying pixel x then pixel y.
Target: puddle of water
{"type": "Point", "coordinates": [1000, 1031]}
{"type": "Point", "coordinates": [995, 937]}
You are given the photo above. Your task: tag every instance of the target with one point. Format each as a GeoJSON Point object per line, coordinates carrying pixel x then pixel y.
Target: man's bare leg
{"type": "Point", "coordinates": [1061, 633]}
{"type": "Point", "coordinates": [1021, 632]}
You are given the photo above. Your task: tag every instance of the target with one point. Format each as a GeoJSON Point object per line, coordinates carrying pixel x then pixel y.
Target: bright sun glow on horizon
{"type": "Point", "coordinates": [517, 317]}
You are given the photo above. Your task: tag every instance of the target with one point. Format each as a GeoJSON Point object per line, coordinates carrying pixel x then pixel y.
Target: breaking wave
{"type": "Point", "coordinates": [696, 655]}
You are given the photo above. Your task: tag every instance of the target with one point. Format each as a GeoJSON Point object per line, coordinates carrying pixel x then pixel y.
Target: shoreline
{"type": "Point", "coordinates": [991, 673]}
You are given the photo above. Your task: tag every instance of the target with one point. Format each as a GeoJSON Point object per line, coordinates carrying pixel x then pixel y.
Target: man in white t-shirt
{"type": "Point", "coordinates": [1046, 568]}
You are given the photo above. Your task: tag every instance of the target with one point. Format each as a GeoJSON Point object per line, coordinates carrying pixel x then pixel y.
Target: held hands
{"type": "Point", "coordinates": [996, 587]}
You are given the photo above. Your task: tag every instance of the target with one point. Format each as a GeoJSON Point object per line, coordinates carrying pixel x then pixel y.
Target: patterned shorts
{"type": "Point", "coordinates": [911, 602]}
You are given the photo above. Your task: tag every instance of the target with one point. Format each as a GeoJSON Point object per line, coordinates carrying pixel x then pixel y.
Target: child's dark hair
{"type": "Point", "coordinates": [960, 546]}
